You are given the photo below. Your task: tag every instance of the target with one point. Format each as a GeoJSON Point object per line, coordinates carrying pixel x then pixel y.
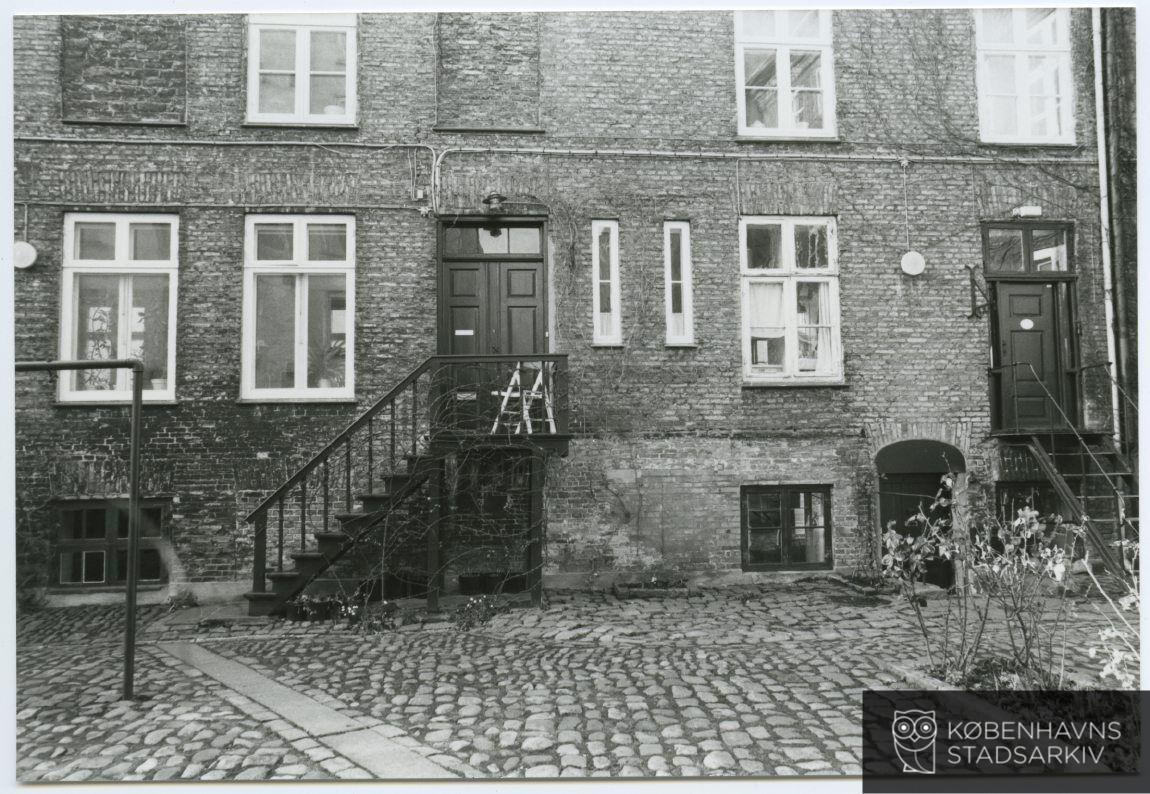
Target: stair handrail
{"type": "Point", "coordinates": [339, 439]}
{"type": "Point", "coordinates": [1107, 366]}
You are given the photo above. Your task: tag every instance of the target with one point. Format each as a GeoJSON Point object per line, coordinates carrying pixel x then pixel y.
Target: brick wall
{"type": "Point", "coordinates": [665, 437]}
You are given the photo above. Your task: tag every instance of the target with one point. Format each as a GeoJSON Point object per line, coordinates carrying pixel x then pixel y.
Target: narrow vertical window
{"type": "Point", "coordinates": [1024, 75]}
{"type": "Point", "coordinates": [605, 283]}
{"type": "Point", "coordinates": [119, 298]}
{"type": "Point", "coordinates": [677, 280]}
{"type": "Point", "coordinates": [784, 69]}
{"type": "Point", "coordinates": [298, 307]}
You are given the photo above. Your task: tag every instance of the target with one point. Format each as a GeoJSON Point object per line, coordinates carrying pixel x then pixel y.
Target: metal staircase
{"type": "Point", "coordinates": [367, 475]}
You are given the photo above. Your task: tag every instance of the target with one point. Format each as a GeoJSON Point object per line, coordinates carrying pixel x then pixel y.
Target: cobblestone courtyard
{"type": "Point", "coordinates": [741, 681]}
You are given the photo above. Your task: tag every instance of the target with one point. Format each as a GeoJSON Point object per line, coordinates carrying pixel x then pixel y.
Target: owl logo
{"type": "Point", "coordinates": [914, 734]}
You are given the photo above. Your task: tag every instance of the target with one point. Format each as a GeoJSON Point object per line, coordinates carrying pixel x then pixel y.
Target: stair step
{"type": "Point", "coordinates": [282, 575]}
{"type": "Point", "coordinates": [333, 537]}
{"type": "Point", "coordinates": [303, 558]}
{"type": "Point", "coordinates": [260, 604]}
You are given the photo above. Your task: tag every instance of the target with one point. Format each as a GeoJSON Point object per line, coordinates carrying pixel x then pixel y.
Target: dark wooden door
{"type": "Point", "coordinates": [493, 308]}
{"type": "Point", "coordinates": [1027, 330]}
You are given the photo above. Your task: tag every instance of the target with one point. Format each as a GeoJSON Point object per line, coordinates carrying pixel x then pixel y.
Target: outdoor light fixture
{"type": "Point", "coordinates": [494, 202]}
{"type": "Point", "coordinates": [1027, 211]}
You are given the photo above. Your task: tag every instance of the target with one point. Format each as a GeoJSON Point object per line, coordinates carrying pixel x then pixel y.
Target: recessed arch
{"type": "Point", "coordinates": [919, 456]}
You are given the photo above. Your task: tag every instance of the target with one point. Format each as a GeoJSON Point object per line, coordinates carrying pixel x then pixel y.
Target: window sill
{"type": "Point", "coordinates": [79, 587]}
{"type": "Point", "coordinates": [328, 125]}
{"type": "Point", "coordinates": [607, 345]}
{"type": "Point", "coordinates": [681, 345]}
{"type": "Point", "coordinates": [783, 568]}
{"type": "Point", "coordinates": [112, 403]}
{"type": "Point", "coordinates": [1015, 144]}
{"type": "Point", "coordinates": [813, 383]}
{"type": "Point", "coordinates": [295, 400]}
{"type": "Point", "coordinates": [743, 137]}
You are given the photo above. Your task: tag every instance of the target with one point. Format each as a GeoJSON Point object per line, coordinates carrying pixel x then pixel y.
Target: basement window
{"type": "Point", "coordinates": [301, 69]}
{"type": "Point", "coordinates": [786, 527]}
{"type": "Point", "coordinates": [784, 69]}
{"type": "Point", "coordinates": [119, 299]}
{"type": "Point", "coordinates": [92, 544]}
{"type": "Point", "coordinates": [1024, 78]}
{"type": "Point", "coordinates": [299, 307]}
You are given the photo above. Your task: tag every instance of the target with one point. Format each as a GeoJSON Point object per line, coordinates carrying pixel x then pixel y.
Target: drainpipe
{"type": "Point", "coordinates": [1104, 215]}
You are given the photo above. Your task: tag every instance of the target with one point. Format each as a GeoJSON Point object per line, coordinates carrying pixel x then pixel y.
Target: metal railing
{"type": "Point", "coordinates": [444, 402]}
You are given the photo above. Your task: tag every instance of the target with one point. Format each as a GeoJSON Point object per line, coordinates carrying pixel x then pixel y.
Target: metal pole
{"type": "Point", "coordinates": [137, 368]}
{"type": "Point", "coordinates": [133, 530]}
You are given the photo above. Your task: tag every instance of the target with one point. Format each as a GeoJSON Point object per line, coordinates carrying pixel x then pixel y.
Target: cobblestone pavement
{"type": "Point", "coordinates": [741, 681]}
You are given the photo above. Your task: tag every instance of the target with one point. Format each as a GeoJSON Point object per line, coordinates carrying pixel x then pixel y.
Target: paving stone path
{"type": "Point", "coordinates": [741, 681]}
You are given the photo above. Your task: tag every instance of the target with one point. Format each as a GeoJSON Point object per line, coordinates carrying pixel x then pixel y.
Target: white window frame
{"type": "Point", "coordinates": [301, 267]}
{"type": "Point", "coordinates": [303, 25]}
{"type": "Point", "coordinates": [614, 337]}
{"type": "Point", "coordinates": [120, 265]}
{"type": "Point", "coordinates": [788, 275]}
{"type": "Point", "coordinates": [1019, 51]}
{"type": "Point", "coordinates": [687, 338]}
{"type": "Point", "coordinates": [783, 44]}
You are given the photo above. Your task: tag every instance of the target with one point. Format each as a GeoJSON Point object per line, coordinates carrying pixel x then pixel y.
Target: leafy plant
{"type": "Point", "coordinates": [181, 599]}
{"type": "Point", "coordinates": [478, 611]}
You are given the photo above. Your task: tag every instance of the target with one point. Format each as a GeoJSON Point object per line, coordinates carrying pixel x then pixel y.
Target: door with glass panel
{"type": "Point", "coordinates": [786, 526]}
{"type": "Point", "coordinates": [1030, 274]}
{"type": "Point", "coordinates": [492, 302]}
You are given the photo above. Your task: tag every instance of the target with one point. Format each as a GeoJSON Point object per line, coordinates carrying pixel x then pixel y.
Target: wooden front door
{"type": "Point", "coordinates": [1034, 392]}
{"type": "Point", "coordinates": [492, 290]}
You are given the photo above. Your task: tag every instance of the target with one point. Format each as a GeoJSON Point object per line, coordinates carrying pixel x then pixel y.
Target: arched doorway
{"type": "Point", "coordinates": [908, 479]}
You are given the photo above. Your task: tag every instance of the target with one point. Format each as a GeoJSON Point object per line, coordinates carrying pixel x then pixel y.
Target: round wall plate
{"type": "Point", "coordinates": [913, 263]}
{"type": "Point", "coordinates": [23, 254]}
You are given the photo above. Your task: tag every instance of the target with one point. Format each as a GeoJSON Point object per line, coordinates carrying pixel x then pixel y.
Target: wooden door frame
{"type": "Point", "coordinates": [441, 319]}
{"type": "Point", "coordinates": [1066, 316]}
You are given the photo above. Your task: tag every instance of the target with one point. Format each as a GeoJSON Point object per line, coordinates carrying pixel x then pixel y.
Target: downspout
{"type": "Point", "coordinates": [1104, 214]}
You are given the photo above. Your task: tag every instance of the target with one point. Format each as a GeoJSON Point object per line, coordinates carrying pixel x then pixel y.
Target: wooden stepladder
{"type": "Point", "coordinates": [521, 414]}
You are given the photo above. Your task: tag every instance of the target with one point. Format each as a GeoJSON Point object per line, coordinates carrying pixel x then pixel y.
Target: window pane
{"type": "Point", "coordinates": [152, 521]}
{"type": "Point", "coordinates": [96, 328]}
{"type": "Point", "coordinates": [806, 70]}
{"type": "Point", "coordinates": [764, 246]}
{"type": "Point", "coordinates": [997, 26]}
{"type": "Point", "coordinates": [274, 241]}
{"type": "Point", "coordinates": [94, 528]}
{"type": "Point", "coordinates": [524, 241]}
{"type": "Point", "coordinates": [605, 297]}
{"type": "Point", "coordinates": [813, 332]}
{"type": "Point", "coordinates": [150, 241]}
{"type": "Point", "coordinates": [758, 24]}
{"type": "Point", "coordinates": [326, 242]}
{"type": "Point", "coordinates": [328, 95]}
{"type": "Point", "coordinates": [676, 298]}
{"type": "Point", "coordinates": [328, 51]}
{"type": "Point", "coordinates": [808, 109]}
{"type": "Point", "coordinates": [604, 258]}
{"type": "Point", "coordinates": [764, 527]}
{"type": "Point", "coordinates": [71, 524]}
{"type": "Point", "coordinates": [1041, 25]}
{"type": "Point", "coordinates": [766, 325]}
{"type": "Point", "coordinates": [1000, 75]}
{"type": "Point", "coordinates": [151, 567]}
{"type": "Point", "coordinates": [812, 303]}
{"type": "Point", "coordinates": [277, 49]}
{"type": "Point", "coordinates": [760, 69]}
{"type": "Point", "coordinates": [1044, 117]}
{"type": "Point", "coordinates": [326, 333]}
{"type": "Point", "coordinates": [803, 24]}
{"type": "Point", "coordinates": [811, 246]}
{"type": "Point", "coordinates": [493, 240]}
{"type": "Point", "coordinates": [71, 567]}
{"type": "Point", "coordinates": [93, 566]}
{"type": "Point", "coordinates": [1048, 250]}
{"type": "Point", "coordinates": [277, 93]}
{"type": "Point", "coordinates": [676, 255]}
{"type": "Point", "coordinates": [149, 327]}
{"type": "Point", "coordinates": [1003, 115]}
{"type": "Point", "coordinates": [95, 241]}
{"type": "Point", "coordinates": [1004, 250]}
{"type": "Point", "coordinates": [122, 516]}
{"type": "Point", "coordinates": [1042, 75]}
{"type": "Point", "coordinates": [762, 108]}
{"type": "Point", "coordinates": [275, 332]}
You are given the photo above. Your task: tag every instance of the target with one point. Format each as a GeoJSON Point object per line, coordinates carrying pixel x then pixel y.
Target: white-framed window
{"type": "Point", "coordinates": [299, 307]}
{"type": "Point", "coordinates": [790, 297]}
{"type": "Point", "coordinates": [677, 283]}
{"type": "Point", "coordinates": [1025, 87]}
{"type": "Point", "coordinates": [302, 69]}
{"type": "Point", "coordinates": [118, 300]}
{"type": "Point", "coordinates": [605, 283]}
{"type": "Point", "coordinates": [784, 71]}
